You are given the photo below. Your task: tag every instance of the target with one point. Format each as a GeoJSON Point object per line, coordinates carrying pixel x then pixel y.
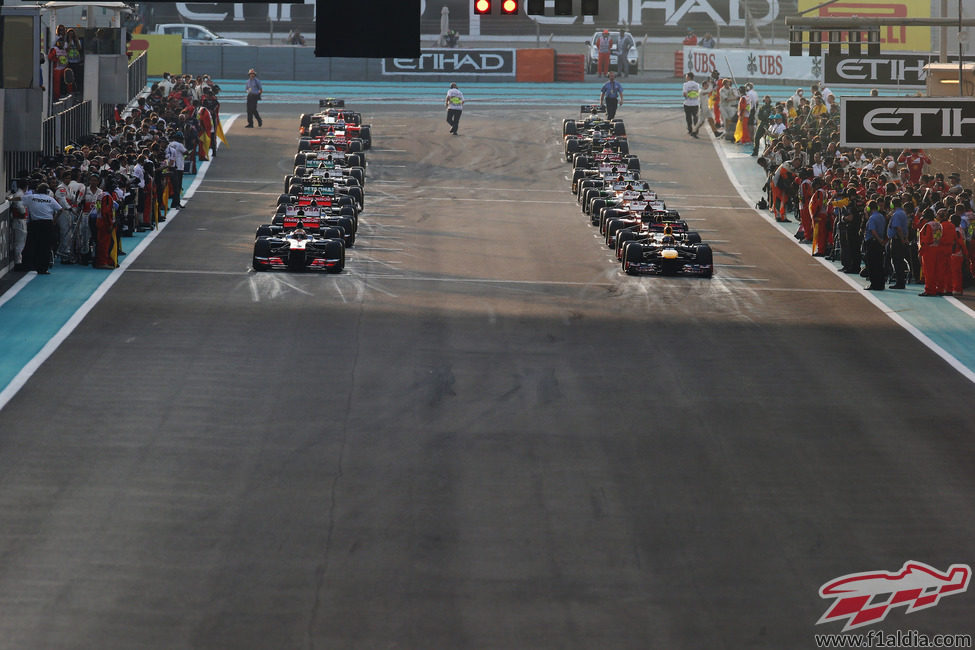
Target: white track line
{"type": "Point", "coordinates": [45, 352]}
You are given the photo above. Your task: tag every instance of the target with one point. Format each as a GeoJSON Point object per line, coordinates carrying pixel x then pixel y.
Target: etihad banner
{"type": "Point", "coordinates": [498, 63]}
{"type": "Point", "coordinates": [654, 18]}
{"type": "Point", "coordinates": [750, 65]}
{"type": "Point", "coordinates": [892, 39]}
{"type": "Point", "coordinates": [907, 123]}
{"type": "Point", "coordinates": [886, 71]}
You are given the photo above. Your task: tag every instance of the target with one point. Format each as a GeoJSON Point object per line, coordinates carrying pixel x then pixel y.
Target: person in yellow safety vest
{"type": "Point", "coordinates": [692, 102]}
{"type": "Point", "coordinates": [454, 101]}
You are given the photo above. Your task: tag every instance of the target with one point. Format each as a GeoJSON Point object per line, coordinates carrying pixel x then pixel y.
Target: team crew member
{"type": "Point", "coordinates": [819, 213]}
{"type": "Point", "coordinates": [897, 236]}
{"type": "Point", "coordinates": [18, 222]}
{"type": "Point", "coordinates": [954, 283]}
{"type": "Point", "coordinates": [43, 209]}
{"type": "Point", "coordinates": [612, 96]}
{"type": "Point", "coordinates": [928, 241]}
{"type": "Point", "coordinates": [873, 242]}
{"type": "Point", "coordinates": [175, 161]}
{"type": "Point", "coordinates": [454, 102]}
{"type": "Point", "coordinates": [254, 90]}
{"type": "Point", "coordinates": [949, 240]}
{"type": "Point", "coordinates": [692, 102]}
{"type": "Point", "coordinates": [603, 45]}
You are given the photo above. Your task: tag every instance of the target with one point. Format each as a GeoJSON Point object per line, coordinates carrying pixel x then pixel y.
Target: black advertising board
{"type": "Point", "coordinates": [654, 18]}
{"type": "Point", "coordinates": [494, 62]}
{"type": "Point", "coordinates": [907, 123]}
{"type": "Point", "coordinates": [901, 70]}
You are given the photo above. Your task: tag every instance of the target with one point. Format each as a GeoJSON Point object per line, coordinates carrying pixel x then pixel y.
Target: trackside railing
{"type": "Point", "coordinates": [61, 129]}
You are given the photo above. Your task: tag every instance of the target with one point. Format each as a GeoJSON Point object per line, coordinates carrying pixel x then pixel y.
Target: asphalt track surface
{"type": "Point", "coordinates": [480, 435]}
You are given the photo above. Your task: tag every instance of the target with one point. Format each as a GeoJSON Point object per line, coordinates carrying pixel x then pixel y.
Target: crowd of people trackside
{"type": "Point", "coordinates": [77, 206]}
{"type": "Point", "coordinates": [882, 214]}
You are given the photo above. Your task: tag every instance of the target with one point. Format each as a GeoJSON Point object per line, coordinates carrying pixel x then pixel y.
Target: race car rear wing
{"type": "Point", "coordinates": [592, 108]}
{"type": "Point", "coordinates": [331, 102]}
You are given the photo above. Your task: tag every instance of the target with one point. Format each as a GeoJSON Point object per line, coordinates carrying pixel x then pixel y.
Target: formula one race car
{"type": "Point", "coordinates": [334, 118]}
{"type": "Point", "coordinates": [297, 250]}
{"type": "Point", "coordinates": [592, 121]}
{"type": "Point", "coordinates": [662, 253]}
{"type": "Point", "coordinates": [314, 220]}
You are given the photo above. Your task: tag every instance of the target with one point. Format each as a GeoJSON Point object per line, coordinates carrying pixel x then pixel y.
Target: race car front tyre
{"type": "Point", "coordinates": [705, 257]}
{"type": "Point", "coordinates": [366, 134]}
{"type": "Point", "coordinates": [569, 127]}
{"type": "Point", "coordinates": [287, 182]}
{"type": "Point", "coordinates": [355, 145]}
{"type": "Point", "coordinates": [618, 127]}
{"type": "Point", "coordinates": [261, 249]}
{"type": "Point", "coordinates": [632, 254]}
{"type": "Point", "coordinates": [693, 237]}
{"type": "Point", "coordinates": [624, 147]}
{"type": "Point", "coordinates": [284, 199]}
{"type": "Point", "coordinates": [264, 231]}
{"type": "Point", "coordinates": [299, 159]}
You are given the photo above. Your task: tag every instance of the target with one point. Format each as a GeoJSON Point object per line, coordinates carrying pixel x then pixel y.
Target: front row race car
{"type": "Point", "coordinates": [297, 250]}
{"type": "Point", "coordinates": [663, 253]}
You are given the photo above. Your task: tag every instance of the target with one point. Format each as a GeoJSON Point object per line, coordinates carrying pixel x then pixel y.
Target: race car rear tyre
{"type": "Point", "coordinates": [295, 189]}
{"type": "Point", "coordinates": [618, 127]}
{"type": "Point", "coordinates": [612, 227]}
{"type": "Point", "coordinates": [633, 164]}
{"type": "Point", "coordinates": [595, 206]}
{"type": "Point", "coordinates": [287, 181]}
{"type": "Point", "coordinates": [582, 162]}
{"type": "Point", "coordinates": [569, 127]}
{"type": "Point", "coordinates": [624, 147]}
{"type": "Point", "coordinates": [622, 237]}
{"type": "Point", "coordinates": [304, 144]}
{"type": "Point", "coordinates": [356, 193]}
{"type": "Point", "coordinates": [284, 199]}
{"type": "Point", "coordinates": [305, 120]}
{"type": "Point", "coordinates": [264, 231]}
{"type": "Point", "coordinates": [359, 174]}
{"type": "Point", "coordinates": [301, 171]}
{"type": "Point", "coordinates": [299, 159]}
{"type": "Point", "coordinates": [355, 145]}
{"type": "Point", "coordinates": [693, 237]}
{"type": "Point", "coordinates": [366, 134]}
{"type": "Point", "coordinates": [355, 160]}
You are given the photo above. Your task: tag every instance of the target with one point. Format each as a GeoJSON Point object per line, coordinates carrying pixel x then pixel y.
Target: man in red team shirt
{"type": "Point", "coordinates": [915, 161]}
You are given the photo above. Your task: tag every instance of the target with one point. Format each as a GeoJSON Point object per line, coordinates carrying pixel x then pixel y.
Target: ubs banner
{"type": "Point", "coordinates": [499, 63]}
{"type": "Point", "coordinates": [748, 65]}
{"type": "Point", "coordinates": [915, 123]}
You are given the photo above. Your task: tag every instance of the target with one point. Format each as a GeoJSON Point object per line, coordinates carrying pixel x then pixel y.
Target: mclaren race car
{"type": "Point", "coordinates": [298, 250]}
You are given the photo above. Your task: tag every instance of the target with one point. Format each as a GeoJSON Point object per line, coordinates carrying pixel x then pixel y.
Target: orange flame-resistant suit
{"type": "Point", "coordinates": [959, 257]}
{"type": "Point", "coordinates": [819, 212]}
{"type": "Point", "coordinates": [805, 217]}
{"type": "Point", "coordinates": [928, 241]}
{"type": "Point", "coordinates": [782, 178]}
{"type": "Point", "coordinates": [105, 232]}
{"type": "Point", "coordinates": [949, 239]}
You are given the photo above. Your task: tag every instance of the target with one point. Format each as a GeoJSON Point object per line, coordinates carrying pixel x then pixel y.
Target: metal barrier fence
{"type": "Point", "coordinates": [66, 127]}
{"type": "Point", "coordinates": [137, 74]}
